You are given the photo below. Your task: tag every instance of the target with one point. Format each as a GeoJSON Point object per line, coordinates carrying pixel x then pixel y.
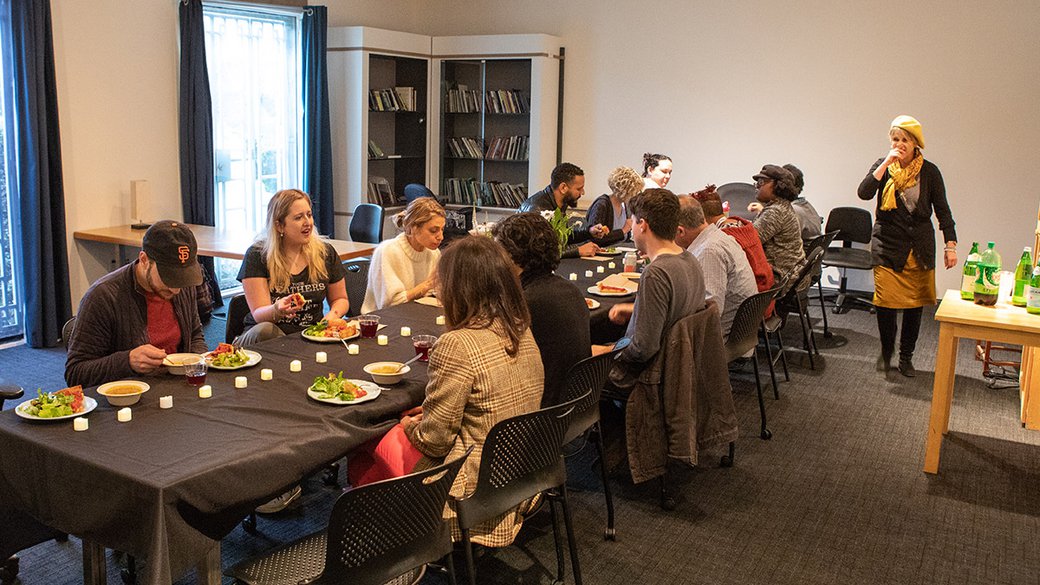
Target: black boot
{"type": "Point", "coordinates": [906, 366]}
{"type": "Point", "coordinates": [886, 319]}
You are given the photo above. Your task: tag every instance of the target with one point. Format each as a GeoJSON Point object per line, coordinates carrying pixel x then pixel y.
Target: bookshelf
{"type": "Point", "coordinates": [495, 139]}
{"type": "Point", "coordinates": [379, 90]}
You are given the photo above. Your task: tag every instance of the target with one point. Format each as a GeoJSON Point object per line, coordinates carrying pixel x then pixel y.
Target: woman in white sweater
{"type": "Point", "coordinates": [405, 268]}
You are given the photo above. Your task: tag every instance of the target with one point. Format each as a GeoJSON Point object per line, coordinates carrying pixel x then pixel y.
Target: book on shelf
{"type": "Point", "coordinates": [507, 101]}
{"type": "Point", "coordinates": [517, 148]}
{"type": "Point", "coordinates": [469, 191]}
{"type": "Point", "coordinates": [374, 151]}
{"type": "Point", "coordinates": [398, 99]}
{"type": "Point", "coordinates": [461, 100]}
{"type": "Point", "coordinates": [380, 192]}
{"type": "Point", "coordinates": [465, 147]}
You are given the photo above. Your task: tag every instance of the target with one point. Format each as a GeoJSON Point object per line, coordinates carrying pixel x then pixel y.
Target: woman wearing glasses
{"type": "Point", "coordinates": [908, 189]}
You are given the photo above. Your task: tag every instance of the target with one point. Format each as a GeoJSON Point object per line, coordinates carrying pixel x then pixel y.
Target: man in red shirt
{"type": "Point", "coordinates": [131, 318]}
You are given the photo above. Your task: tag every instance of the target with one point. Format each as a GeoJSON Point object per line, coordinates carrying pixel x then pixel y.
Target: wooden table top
{"type": "Point", "coordinates": [954, 309]}
{"type": "Point", "coordinates": [211, 242]}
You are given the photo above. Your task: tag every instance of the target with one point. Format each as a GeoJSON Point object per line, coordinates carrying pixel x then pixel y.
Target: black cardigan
{"type": "Point", "coordinates": [897, 231]}
{"type": "Point", "coordinates": [560, 326]}
{"type": "Point", "coordinates": [602, 212]}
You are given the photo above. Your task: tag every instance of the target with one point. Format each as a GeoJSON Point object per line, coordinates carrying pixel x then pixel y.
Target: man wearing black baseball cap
{"type": "Point", "coordinates": [131, 318]}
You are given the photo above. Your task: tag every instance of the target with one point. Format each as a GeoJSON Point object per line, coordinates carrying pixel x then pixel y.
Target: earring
{"type": "Point", "coordinates": [281, 234]}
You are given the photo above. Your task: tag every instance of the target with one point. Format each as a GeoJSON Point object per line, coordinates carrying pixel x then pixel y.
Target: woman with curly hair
{"type": "Point", "coordinates": [657, 170]}
{"type": "Point", "coordinates": [559, 315]}
{"type": "Point", "coordinates": [777, 224]}
{"type": "Point", "coordinates": [609, 209]}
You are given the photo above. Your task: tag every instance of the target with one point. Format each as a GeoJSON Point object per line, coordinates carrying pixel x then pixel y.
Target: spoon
{"type": "Point", "coordinates": [401, 367]}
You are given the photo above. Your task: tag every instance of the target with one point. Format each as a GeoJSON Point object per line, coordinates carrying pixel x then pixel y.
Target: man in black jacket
{"type": "Point", "coordinates": [565, 189]}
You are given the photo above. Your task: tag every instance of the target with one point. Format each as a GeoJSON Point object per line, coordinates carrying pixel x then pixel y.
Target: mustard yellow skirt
{"type": "Point", "coordinates": [913, 287]}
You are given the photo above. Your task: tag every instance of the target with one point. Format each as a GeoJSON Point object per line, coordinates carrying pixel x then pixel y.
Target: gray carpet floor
{"type": "Point", "coordinates": [837, 496]}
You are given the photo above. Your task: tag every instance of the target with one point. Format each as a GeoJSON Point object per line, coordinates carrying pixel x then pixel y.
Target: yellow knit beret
{"type": "Point", "coordinates": [912, 126]}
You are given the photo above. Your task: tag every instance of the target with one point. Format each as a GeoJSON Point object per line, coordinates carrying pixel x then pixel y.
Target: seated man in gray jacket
{"type": "Point", "coordinates": [671, 287]}
{"type": "Point", "coordinates": [132, 317]}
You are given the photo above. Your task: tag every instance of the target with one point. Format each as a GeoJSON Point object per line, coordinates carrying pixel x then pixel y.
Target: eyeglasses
{"type": "Point", "coordinates": [762, 181]}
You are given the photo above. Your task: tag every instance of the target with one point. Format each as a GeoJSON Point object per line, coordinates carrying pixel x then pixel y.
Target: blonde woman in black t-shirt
{"type": "Point", "coordinates": [288, 275]}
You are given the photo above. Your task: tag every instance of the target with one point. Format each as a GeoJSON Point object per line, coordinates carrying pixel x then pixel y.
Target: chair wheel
{"type": "Point", "coordinates": [726, 461]}
{"type": "Point", "coordinates": [330, 476]}
{"type": "Point", "coordinates": [766, 434]}
{"type": "Point", "coordinates": [9, 570]}
{"type": "Point", "coordinates": [610, 534]}
{"type": "Point", "coordinates": [249, 524]}
{"type": "Point", "coordinates": [667, 502]}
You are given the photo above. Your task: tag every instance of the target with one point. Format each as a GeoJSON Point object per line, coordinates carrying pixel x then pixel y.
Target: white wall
{"type": "Point", "coordinates": [724, 87]}
{"type": "Point", "coordinates": [116, 64]}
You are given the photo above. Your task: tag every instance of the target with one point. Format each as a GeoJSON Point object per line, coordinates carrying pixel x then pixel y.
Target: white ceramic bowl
{"type": "Point", "coordinates": [387, 379]}
{"type": "Point", "coordinates": [174, 362]}
{"type": "Point", "coordinates": [123, 398]}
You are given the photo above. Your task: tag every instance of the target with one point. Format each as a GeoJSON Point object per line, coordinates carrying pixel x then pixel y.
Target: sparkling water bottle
{"type": "Point", "coordinates": [1033, 293]}
{"type": "Point", "coordinates": [970, 273]}
{"type": "Point", "coordinates": [987, 283]}
{"type": "Point", "coordinates": [1023, 275]}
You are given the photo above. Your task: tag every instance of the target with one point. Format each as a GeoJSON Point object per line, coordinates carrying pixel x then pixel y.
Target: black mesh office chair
{"type": "Point", "coordinates": [853, 225]}
{"type": "Point", "coordinates": [356, 280]}
{"type": "Point", "coordinates": [739, 196]}
{"type": "Point", "coordinates": [796, 300]}
{"type": "Point", "coordinates": [366, 224]}
{"type": "Point", "coordinates": [821, 241]}
{"type": "Point", "coordinates": [382, 532]}
{"type": "Point", "coordinates": [743, 338]}
{"type": "Point", "coordinates": [585, 380]}
{"type": "Point", "coordinates": [522, 457]}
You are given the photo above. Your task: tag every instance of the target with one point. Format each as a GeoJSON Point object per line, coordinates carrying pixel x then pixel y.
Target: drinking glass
{"type": "Point", "coordinates": [195, 371]}
{"type": "Point", "coordinates": [369, 325]}
{"type": "Point", "coordinates": [422, 344]}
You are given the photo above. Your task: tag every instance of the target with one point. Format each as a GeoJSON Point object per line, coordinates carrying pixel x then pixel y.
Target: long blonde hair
{"type": "Point", "coordinates": [278, 265]}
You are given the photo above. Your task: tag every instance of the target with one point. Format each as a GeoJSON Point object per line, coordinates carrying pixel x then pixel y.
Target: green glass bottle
{"type": "Point", "coordinates": [987, 284]}
{"type": "Point", "coordinates": [970, 273]}
{"type": "Point", "coordinates": [1023, 275]}
{"type": "Point", "coordinates": [1033, 293]}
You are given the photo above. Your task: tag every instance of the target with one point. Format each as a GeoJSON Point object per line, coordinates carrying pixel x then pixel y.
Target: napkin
{"type": "Point", "coordinates": [620, 282]}
{"type": "Point", "coordinates": [429, 301]}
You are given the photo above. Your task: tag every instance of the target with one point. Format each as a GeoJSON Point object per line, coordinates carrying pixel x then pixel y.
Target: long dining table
{"type": "Point", "coordinates": [169, 484]}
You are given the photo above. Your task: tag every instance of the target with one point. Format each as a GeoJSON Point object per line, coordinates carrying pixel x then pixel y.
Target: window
{"type": "Point", "coordinates": [255, 83]}
{"type": "Point", "coordinates": [10, 304]}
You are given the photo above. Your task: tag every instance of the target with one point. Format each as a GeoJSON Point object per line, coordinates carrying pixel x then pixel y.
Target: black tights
{"type": "Point", "coordinates": [886, 321]}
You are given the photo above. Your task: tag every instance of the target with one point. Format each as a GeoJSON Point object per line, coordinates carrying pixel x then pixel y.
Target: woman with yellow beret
{"type": "Point", "coordinates": [908, 189]}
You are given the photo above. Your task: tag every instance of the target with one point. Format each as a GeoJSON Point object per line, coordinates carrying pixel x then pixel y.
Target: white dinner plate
{"type": "Point", "coordinates": [632, 275]}
{"type": "Point", "coordinates": [592, 304]}
{"type": "Point", "coordinates": [605, 252]}
{"type": "Point", "coordinates": [254, 358]}
{"type": "Point", "coordinates": [369, 387]}
{"type": "Point", "coordinates": [595, 291]}
{"type": "Point", "coordinates": [89, 404]}
{"type": "Point", "coordinates": [323, 339]}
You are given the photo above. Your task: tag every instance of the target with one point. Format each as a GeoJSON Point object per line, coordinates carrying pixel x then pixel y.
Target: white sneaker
{"type": "Point", "coordinates": [281, 502]}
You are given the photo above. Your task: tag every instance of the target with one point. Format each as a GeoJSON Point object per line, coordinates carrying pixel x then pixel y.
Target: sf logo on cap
{"type": "Point", "coordinates": [183, 253]}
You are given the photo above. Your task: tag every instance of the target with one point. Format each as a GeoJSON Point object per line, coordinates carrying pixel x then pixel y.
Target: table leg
{"type": "Point", "coordinates": [942, 396]}
{"type": "Point", "coordinates": [208, 569]}
{"type": "Point", "coordinates": [95, 572]}
{"type": "Point", "coordinates": [1030, 388]}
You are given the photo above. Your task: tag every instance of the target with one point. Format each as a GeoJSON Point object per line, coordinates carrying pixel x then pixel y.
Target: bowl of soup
{"type": "Point", "coordinates": [386, 372]}
{"type": "Point", "coordinates": [174, 362]}
{"type": "Point", "coordinates": [123, 392]}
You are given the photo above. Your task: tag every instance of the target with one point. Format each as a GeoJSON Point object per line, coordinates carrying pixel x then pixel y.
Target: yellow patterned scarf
{"type": "Point", "coordinates": [900, 179]}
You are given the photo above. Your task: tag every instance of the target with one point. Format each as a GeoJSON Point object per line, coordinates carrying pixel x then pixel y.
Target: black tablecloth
{"type": "Point", "coordinates": [603, 331]}
{"type": "Point", "coordinates": [169, 484]}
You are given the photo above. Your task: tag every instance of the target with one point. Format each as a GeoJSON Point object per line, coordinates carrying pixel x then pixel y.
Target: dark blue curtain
{"type": "Point", "coordinates": [196, 129]}
{"type": "Point", "coordinates": [40, 205]}
{"type": "Point", "coordinates": [317, 133]}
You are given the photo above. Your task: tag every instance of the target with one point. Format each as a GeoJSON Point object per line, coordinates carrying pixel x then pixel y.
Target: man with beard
{"type": "Point", "coordinates": [131, 318]}
{"type": "Point", "coordinates": [565, 189]}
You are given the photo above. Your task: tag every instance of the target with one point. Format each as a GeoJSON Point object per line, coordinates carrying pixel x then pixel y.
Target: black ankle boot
{"type": "Point", "coordinates": [906, 367]}
{"type": "Point", "coordinates": [884, 363]}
